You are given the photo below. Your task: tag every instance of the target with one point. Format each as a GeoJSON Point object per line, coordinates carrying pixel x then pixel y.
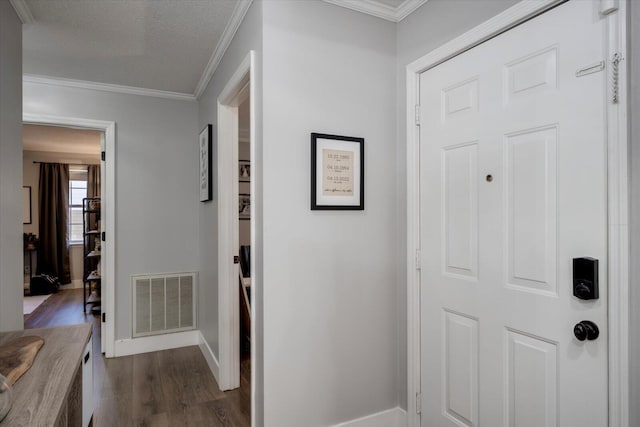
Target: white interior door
{"type": "Point", "coordinates": [513, 187]}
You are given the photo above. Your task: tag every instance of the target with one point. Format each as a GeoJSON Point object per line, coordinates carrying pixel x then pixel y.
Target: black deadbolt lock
{"type": "Point", "coordinates": [585, 278]}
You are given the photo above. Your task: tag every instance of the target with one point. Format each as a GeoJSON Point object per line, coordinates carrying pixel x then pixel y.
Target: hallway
{"type": "Point", "coordinates": [164, 388]}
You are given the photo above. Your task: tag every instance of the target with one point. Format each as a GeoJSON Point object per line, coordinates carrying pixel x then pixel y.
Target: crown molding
{"type": "Point", "coordinates": [106, 87]}
{"type": "Point", "coordinates": [407, 8]}
{"type": "Point", "coordinates": [223, 44]}
{"type": "Point", "coordinates": [23, 11]}
{"type": "Point", "coordinates": [380, 10]}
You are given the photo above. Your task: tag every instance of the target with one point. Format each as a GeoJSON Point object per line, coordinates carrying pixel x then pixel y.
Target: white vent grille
{"type": "Point", "coordinates": [163, 303]}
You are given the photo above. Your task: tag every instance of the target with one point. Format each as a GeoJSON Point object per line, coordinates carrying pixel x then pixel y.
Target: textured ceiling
{"type": "Point", "coordinates": [153, 44]}
{"type": "Point", "coordinates": [60, 140]}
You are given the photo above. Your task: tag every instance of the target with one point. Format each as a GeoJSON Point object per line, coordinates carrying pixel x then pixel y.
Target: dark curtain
{"type": "Point", "coordinates": [93, 181]}
{"type": "Point", "coordinates": [53, 253]}
{"type": "Point", "coordinates": [93, 190]}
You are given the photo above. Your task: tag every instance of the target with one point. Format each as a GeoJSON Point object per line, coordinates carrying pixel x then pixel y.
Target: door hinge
{"type": "Point", "coordinates": [417, 115]}
{"type": "Point", "coordinates": [103, 156]}
{"type": "Point", "coordinates": [418, 403]}
{"type": "Point", "coordinates": [104, 236]}
{"type": "Point", "coordinates": [104, 317]}
{"type": "Point", "coordinates": [615, 76]}
{"type": "Point", "coordinates": [418, 259]}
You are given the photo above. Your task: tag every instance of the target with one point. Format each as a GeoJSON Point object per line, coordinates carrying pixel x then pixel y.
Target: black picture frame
{"type": "Point", "coordinates": [26, 205]}
{"type": "Point", "coordinates": [205, 145]}
{"type": "Point", "coordinates": [244, 171]}
{"type": "Point", "coordinates": [244, 206]}
{"type": "Point", "coordinates": [354, 148]}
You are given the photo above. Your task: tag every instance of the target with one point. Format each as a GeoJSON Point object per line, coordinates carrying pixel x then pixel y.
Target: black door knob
{"type": "Point", "coordinates": [586, 330]}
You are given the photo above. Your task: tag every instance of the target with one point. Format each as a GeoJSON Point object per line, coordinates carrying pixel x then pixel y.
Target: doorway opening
{"type": "Point", "coordinates": [62, 188]}
{"type": "Point", "coordinates": [236, 189]}
{"type": "Point", "coordinates": [244, 236]}
{"type": "Point", "coordinates": [89, 212]}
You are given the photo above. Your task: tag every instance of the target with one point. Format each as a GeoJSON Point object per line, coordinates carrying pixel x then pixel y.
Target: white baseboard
{"type": "Point", "coordinates": [394, 417]}
{"type": "Point", "coordinates": [75, 284]}
{"type": "Point", "coordinates": [156, 343]}
{"type": "Point", "coordinates": [211, 359]}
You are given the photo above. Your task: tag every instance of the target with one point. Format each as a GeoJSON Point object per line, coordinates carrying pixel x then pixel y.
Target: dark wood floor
{"type": "Point", "coordinates": [163, 388]}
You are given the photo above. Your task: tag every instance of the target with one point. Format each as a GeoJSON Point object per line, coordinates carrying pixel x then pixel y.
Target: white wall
{"type": "Point", "coordinates": [429, 27]}
{"type": "Point", "coordinates": [330, 282]}
{"type": "Point", "coordinates": [634, 335]}
{"type": "Point", "coordinates": [247, 38]}
{"type": "Point", "coordinates": [10, 169]}
{"type": "Point", "coordinates": [156, 179]}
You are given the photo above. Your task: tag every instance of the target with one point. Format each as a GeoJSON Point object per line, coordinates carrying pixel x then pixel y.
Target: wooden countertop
{"type": "Point", "coordinates": [40, 395]}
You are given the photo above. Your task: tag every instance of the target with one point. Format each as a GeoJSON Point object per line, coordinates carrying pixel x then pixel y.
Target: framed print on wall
{"type": "Point", "coordinates": [337, 172]}
{"type": "Point", "coordinates": [244, 171]}
{"type": "Point", "coordinates": [244, 206]}
{"type": "Point", "coordinates": [206, 175]}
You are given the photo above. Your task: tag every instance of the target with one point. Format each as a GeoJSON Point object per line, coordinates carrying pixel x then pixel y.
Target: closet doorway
{"type": "Point", "coordinates": [244, 236]}
{"type": "Point", "coordinates": [68, 205]}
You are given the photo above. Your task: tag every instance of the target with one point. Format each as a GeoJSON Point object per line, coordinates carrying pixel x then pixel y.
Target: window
{"type": "Point", "coordinates": [77, 192]}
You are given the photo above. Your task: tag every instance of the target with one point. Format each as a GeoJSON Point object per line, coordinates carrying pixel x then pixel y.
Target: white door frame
{"type": "Point", "coordinates": [231, 96]}
{"type": "Point", "coordinates": [618, 197]}
{"type": "Point", "coordinates": [109, 129]}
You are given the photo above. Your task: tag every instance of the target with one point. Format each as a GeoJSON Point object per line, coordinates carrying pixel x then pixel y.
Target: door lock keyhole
{"type": "Point", "coordinates": [489, 178]}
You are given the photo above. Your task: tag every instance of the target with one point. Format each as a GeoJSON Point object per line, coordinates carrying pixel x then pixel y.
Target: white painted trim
{"type": "Point", "coordinates": [211, 359]}
{"type": "Point", "coordinates": [127, 347]}
{"type": "Point", "coordinates": [106, 87]}
{"type": "Point", "coordinates": [394, 417]}
{"type": "Point", "coordinates": [228, 274]}
{"type": "Point", "coordinates": [75, 284]}
{"type": "Point", "coordinates": [380, 10]}
{"type": "Point", "coordinates": [617, 204]}
{"type": "Point", "coordinates": [618, 217]}
{"type": "Point", "coordinates": [407, 8]}
{"type": "Point", "coordinates": [223, 44]}
{"type": "Point", "coordinates": [413, 245]}
{"type": "Point", "coordinates": [22, 9]}
{"type": "Point", "coordinates": [109, 266]}
{"type": "Point", "coordinates": [500, 23]}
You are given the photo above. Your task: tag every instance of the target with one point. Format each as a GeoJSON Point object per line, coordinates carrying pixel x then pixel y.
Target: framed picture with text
{"type": "Point", "coordinates": [337, 172]}
{"type": "Point", "coordinates": [206, 175]}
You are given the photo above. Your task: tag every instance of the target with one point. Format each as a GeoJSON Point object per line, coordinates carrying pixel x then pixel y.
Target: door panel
{"type": "Point", "coordinates": [532, 381]}
{"type": "Point", "coordinates": [531, 192]}
{"type": "Point", "coordinates": [461, 210]}
{"type": "Point", "coordinates": [512, 188]}
{"type": "Point", "coordinates": [460, 368]}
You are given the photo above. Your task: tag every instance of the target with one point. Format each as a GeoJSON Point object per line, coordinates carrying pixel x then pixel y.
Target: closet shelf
{"type": "Point", "coordinates": [92, 256]}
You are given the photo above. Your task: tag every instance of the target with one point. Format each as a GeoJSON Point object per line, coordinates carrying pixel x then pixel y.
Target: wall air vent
{"type": "Point", "coordinates": [163, 303]}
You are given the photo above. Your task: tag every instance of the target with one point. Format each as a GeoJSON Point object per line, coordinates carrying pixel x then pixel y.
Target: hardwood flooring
{"type": "Point", "coordinates": [163, 388]}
